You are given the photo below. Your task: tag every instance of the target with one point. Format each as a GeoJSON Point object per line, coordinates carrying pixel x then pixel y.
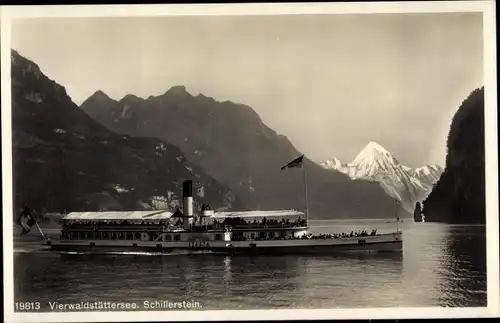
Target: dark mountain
{"type": "Point", "coordinates": [232, 144]}
{"type": "Point", "coordinates": [64, 160]}
{"type": "Point", "coordinates": [459, 195]}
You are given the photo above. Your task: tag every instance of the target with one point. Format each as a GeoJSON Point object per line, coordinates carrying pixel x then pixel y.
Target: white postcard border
{"type": "Point", "coordinates": [8, 13]}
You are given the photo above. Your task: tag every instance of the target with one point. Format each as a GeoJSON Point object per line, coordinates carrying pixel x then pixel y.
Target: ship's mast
{"type": "Point", "coordinates": [396, 204]}
{"type": "Point", "coordinates": [397, 216]}
{"type": "Point", "coordinates": [397, 221]}
{"type": "Point", "coordinates": [299, 163]}
{"type": "Point", "coordinates": [305, 194]}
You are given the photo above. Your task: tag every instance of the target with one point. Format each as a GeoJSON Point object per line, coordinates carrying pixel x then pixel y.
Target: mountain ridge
{"type": "Point", "coordinates": [64, 160]}
{"type": "Point", "coordinates": [231, 143]}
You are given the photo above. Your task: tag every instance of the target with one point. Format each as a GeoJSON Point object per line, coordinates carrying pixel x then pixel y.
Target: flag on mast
{"type": "Point", "coordinates": [299, 163]}
{"type": "Point", "coordinates": [294, 163]}
{"type": "Point", "coordinates": [26, 220]}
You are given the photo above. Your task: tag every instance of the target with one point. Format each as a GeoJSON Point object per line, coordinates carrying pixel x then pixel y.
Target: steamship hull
{"type": "Point", "coordinates": [382, 243]}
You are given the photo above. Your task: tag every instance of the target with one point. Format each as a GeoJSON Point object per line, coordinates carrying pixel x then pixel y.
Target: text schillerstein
{"type": "Point", "coordinates": [170, 305]}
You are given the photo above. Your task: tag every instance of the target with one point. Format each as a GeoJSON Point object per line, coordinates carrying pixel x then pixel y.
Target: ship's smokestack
{"type": "Point", "coordinates": [187, 195]}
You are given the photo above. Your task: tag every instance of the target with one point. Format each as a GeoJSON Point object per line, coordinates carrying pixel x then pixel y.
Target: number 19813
{"type": "Point", "coordinates": [27, 306]}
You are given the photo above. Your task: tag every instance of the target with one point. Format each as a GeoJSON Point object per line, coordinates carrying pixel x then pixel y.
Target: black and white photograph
{"type": "Point", "coordinates": [237, 161]}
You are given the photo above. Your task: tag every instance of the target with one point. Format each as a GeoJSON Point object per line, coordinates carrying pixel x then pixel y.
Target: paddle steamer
{"type": "Point", "coordinates": [249, 232]}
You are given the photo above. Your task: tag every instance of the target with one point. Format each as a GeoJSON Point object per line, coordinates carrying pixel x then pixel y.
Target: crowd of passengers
{"type": "Point", "coordinates": [362, 233]}
{"type": "Point", "coordinates": [236, 221]}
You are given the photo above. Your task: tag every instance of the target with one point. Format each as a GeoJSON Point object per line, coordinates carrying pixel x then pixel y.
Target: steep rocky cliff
{"type": "Point", "coordinates": [459, 195]}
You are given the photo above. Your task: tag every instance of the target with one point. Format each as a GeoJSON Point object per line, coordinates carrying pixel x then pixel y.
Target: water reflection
{"type": "Point", "coordinates": [424, 252]}
{"type": "Point", "coordinates": [441, 265]}
{"type": "Point", "coordinates": [463, 274]}
{"type": "Point", "coordinates": [445, 265]}
{"type": "Point", "coordinates": [227, 270]}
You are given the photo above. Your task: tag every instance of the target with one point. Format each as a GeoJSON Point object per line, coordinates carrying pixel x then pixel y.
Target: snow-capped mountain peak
{"type": "Point", "coordinates": [334, 163]}
{"type": "Point", "coordinates": [373, 146]}
{"type": "Point", "coordinates": [372, 159]}
{"type": "Point", "coordinates": [376, 163]}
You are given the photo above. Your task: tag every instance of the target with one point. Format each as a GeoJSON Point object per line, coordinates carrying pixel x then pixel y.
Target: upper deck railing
{"type": "Point", "coordinates": [85, 226]}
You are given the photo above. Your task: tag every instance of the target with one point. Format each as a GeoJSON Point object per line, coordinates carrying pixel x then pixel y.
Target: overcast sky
{"type": "Point", "coordinates": [330, 83]}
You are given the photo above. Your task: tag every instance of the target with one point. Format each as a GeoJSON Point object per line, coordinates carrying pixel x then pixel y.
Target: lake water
{"type": "Point", "coordinates": [441, 265]}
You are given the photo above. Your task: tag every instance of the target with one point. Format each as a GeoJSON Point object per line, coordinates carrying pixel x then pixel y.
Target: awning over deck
{"type": "Point", "coordinates": [282, 214]}
{"type": "Point", "coordinates": [119, 215]}
{"type": "Point", "coordinates": [165, 215]}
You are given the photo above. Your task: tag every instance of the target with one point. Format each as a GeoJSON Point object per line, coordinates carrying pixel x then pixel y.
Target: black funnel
{"type": "Point", "coordinates": [187, 188]}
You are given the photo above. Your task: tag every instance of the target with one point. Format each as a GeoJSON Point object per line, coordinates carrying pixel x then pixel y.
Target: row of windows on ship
{"type": "Point", "coordinates": [237, 221]}
{"type": "Point", "coordinates": [237, 236]}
